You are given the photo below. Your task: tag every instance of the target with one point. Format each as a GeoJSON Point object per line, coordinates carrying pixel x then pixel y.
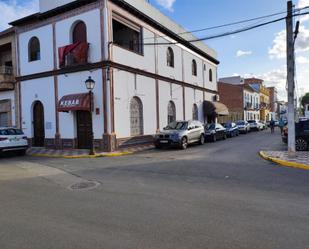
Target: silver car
{"type": "Point", "coordinates": [243, 126]}
{"type": "Point", "coordinates": [180, 134]}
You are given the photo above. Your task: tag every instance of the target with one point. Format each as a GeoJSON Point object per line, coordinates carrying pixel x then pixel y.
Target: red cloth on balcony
{"type": "Point", "coordinates": [63, 51]}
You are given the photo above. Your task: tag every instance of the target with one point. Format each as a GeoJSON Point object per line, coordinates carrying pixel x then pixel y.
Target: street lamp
{"type": "Point", "coordinates": [90, 83]}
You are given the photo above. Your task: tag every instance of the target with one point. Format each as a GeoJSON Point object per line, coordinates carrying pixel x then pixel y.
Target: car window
{"type": "Point", "coordinates": [241, 123]}
{"type": "Point", "coordinates": [4, 132]}
{"type": "Point", "coordinates": [177, 126]}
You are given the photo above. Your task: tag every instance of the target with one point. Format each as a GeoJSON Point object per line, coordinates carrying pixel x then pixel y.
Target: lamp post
{"type": "Point", "coordinates": [90, 83]}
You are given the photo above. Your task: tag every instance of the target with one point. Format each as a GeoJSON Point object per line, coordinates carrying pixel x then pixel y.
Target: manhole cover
{"type": "Point", "coordinates": [84, 185]}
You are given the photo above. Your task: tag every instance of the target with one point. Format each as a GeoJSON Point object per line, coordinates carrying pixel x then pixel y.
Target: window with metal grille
{"type": "Point", "coordinates": [34, 49]}
{"type": "Point", "coordinates": [194, 68]}
{"type": "Point", "coordinates": [195, 112]}
{"type": "Point", "coordinates": [170, 57]}
{"type": "Point", "coordinates": [4, 119]}
{"type": "Point", "coordinates": [171, 112]}
{"type": "Point", "coordinates": [136, 117]}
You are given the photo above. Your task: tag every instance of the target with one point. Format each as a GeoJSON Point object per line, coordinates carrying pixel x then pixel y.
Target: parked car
{"type": "Point", "coordinates": [243, 126]}
{"type": "Point", "coordinates": [231, 129]}
{"type": "Point", "coordinates": [301, 135]}
{"type": "Point", "coordinates": [262, 125]}
{"type": "Point", "coordinates": [12, 139]}
{"type": "Point", "coordinates": [255, 125]}
{"type": "Point", "coordinates": [214, 132]}
{"type": "Point", "coordinates": [180, 134]}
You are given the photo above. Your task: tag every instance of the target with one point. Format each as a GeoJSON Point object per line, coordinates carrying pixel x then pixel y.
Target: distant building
{"type": "Point", "coordinates": [9, 90]}
{"type": "Point", "coordinates": [273, 97]}
{"type": "Point", "coordinates": [242, 99]}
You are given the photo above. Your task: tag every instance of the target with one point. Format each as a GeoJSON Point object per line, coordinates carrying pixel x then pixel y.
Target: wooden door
{"type": "Point", "coordinates": [84, 129]}
{"type": "Point", "coordinates": [38, 125]}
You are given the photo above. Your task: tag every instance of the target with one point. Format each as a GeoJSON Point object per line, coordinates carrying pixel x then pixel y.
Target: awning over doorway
{"type": "Point", "coordinates": [215, 109]}
{"type": "Point", "coordinates": [75, 102]}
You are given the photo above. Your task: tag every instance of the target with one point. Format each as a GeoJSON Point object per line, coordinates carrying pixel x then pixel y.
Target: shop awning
{"type": "Point", "coordinates": [75, 102]}
{"type": "Point", "coordinates": [214, 108]}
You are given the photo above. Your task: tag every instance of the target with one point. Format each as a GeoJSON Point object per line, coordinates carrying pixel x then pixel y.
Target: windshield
{"type": "Point", "coordinates": [177, 126]}
{"type": "Point", "coordinates": [210, 126]}
{"type": "Point", "coordinates": [228, 125]}
{"type": "Point", "coordinates": [11, 132]}
{"type": "Point", "coordinates": [241, 123]}
{"type": "Point", "coordinates": [251, 121]}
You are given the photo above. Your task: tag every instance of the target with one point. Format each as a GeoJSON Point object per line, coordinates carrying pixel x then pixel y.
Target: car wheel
{"type": "Point", "coordinates": [158, 146]}
{"type": "Point", "coordinates": [214, 138]}
{"type": "Point", "coordinates": [301, 144]}
{"type": "Point", "coordinates": [184, 143]}
{"type": "Point", "coordinates": [202, 139]}
{"type": "Point", "coordinates": [21, 152]}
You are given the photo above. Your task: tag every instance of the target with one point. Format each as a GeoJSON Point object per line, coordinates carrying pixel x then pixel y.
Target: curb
{"type": "Point", "coordinates": [283, 162]}
{"type": "Point", "coordinates": [83, 156]}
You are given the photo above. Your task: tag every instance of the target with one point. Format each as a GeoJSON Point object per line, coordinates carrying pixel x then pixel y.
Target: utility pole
{"type": "Point", "coordinates": [290, 79]}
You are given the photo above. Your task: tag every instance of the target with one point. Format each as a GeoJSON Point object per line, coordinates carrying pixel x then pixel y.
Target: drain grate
{"type": "Point", "coordinates": [84, 185]}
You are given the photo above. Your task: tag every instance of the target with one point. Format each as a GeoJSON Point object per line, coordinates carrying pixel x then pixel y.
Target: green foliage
{"type": "Point", "coordinates": [305, 100]}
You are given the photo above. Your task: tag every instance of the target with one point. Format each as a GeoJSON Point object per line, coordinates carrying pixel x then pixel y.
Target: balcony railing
{"type": "Point", "coordinates": [74, 54]}
{"type": "Point", "coordinates": [6, 70]}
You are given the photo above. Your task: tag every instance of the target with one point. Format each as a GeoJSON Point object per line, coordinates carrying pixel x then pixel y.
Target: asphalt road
{"type": "Point", "coordinates": [217, 196]}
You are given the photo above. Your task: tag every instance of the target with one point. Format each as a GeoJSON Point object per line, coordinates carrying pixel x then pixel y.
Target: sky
{"type": "Point", "coordinates": [256, 53]}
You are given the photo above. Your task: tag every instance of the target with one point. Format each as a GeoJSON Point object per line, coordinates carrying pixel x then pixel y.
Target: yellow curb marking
{"type": "Point", "coordinates": [83, 156]}
{"type": "Point", "coordinates": [283, 162]}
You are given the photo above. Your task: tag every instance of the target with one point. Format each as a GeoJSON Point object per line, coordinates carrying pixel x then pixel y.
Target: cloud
{"type": "Point", "coordinates": [241, 53]}
{"type": "Point", "coordinates": [302, 4]}
{"type": "Point", "coordinates": [12, 9]}
{"type": "Point", "coordinates": [167, 4]}
{"type": "Point", "coordinates": [278, 49]}
{"type": "Point", "coordinates": [302, 60]}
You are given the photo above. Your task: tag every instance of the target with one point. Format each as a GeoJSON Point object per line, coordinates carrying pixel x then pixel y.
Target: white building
{"type": "Point", "coordinates": [145, 74]}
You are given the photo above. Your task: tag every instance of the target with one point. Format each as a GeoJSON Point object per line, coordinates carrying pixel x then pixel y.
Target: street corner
{"type": "Point", "coordinates": [300, 161]}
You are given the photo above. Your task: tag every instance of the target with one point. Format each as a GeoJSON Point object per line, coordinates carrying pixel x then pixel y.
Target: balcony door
{"type": "Point", "coordinates": [79, 32]}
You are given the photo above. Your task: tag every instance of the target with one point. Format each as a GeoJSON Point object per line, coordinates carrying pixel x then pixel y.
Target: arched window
{"type": "Point", "coordinates": [170, 57]}
{"type": "Point", "coordinates": [79, 32]}
{"type": "Point", "coordinates": [195, 112]}
{"type": "Point", "coordinates": [171, 112]}
{"type": "Point", "coordinates": [136, 117]}
{"type": "Point", "coordinates": [194, 68]}
{"type": "Point", "coordinates": [34, 50]}
{"type": "Point", "coordinates": [210, 75]}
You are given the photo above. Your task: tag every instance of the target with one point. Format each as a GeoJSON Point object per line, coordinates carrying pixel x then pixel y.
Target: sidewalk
{"type": "Point", "coordinates": [301, 160]}
{"type": "Point", "coordinates": [71, 154]}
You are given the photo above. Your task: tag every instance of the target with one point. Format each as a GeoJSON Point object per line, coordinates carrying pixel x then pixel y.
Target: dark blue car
{"type": "Point", "coordinates": [231, 129]}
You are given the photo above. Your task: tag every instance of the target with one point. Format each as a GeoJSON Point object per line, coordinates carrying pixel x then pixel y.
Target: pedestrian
{"type": "Point", "coordinates": [281, 125]}
{"type": "Point", "coordinates": [272, 126]}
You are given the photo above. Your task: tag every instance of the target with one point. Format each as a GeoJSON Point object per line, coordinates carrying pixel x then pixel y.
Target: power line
{"type": "Point", "coordinates": [233, 23]}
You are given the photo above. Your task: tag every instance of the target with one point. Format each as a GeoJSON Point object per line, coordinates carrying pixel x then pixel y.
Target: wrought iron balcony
{"type": "Point", "coordinates": [7, 78]}
{"type": "Point", "coordinates": [73, 54]}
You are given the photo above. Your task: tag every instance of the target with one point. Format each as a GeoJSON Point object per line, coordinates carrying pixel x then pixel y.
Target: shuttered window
{"type": "Point", "coordinates": [4, 119]}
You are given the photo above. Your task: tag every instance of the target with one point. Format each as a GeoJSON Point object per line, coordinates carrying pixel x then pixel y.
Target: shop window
{"type": "Point", "coordinates": [34, 49]}
{"type": "Point", "coordinates": [170, 57]}
{"type": "Point", "coordinates": [194, 68]}
{"type": "Point", "coordinates": [127, 34]}
{"type": "Point", "coordinates": [171, 112]}
{"type": "Point", "coordinates": [136, 117]}
{"type": "Point", "coordinates": [79, 32]}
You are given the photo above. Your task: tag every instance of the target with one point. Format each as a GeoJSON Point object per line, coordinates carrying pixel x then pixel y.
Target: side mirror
{"type": "Point", "coordinates": [190, 128]}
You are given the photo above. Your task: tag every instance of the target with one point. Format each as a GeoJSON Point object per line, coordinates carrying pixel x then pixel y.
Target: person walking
{"type": "Point", "coordinates": [281, 125]}
{"type": "Point", "coordinates": [272, 126]}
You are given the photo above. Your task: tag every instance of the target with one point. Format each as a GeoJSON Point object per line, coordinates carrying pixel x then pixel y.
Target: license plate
{"type": "Point", "coordinates": [163, 141]}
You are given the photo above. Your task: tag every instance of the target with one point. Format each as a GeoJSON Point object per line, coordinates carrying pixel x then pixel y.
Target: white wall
{"type": "Point", "coordinates": [38, 90]}
{"type": "Point", "coordinates": [169, 92]}
{"type": "Point", "coordinates": [45, 36]}
{"type": "Point", "coordinates": [92, 21]}
{"type": "Point", "coordinates": [193, 97]}
{"type": "Point", "coordinates": [145, 61]}
{"type": "Point", "coordinates": [10, 95]}
{"type": "Point", "coordinates": [126, 86]}
{"type": "Point", "coordinates": [75, 83]}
